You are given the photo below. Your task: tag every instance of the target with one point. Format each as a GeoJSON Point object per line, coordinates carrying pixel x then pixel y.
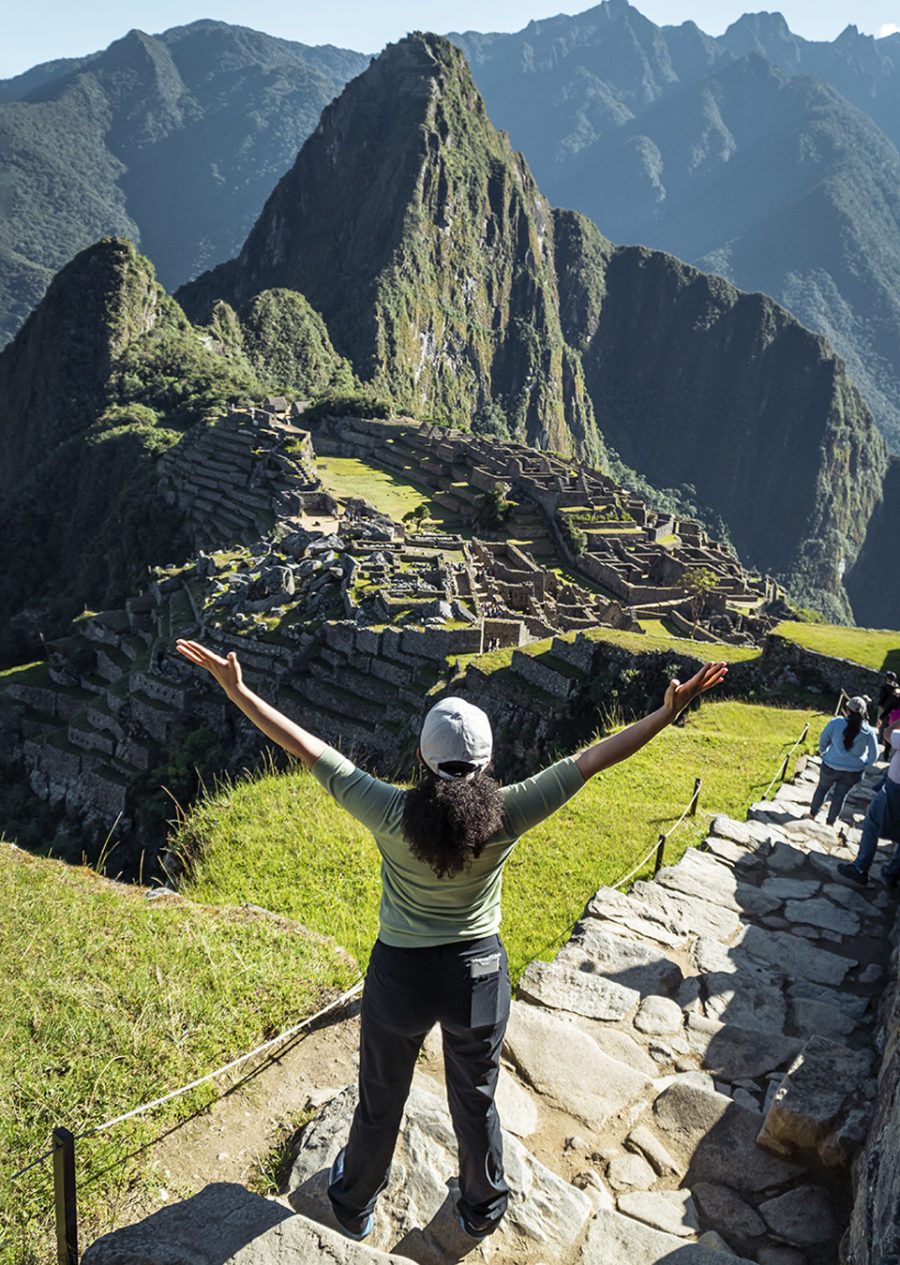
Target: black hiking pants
{"type": "Point", "coordinates": [465, 988]}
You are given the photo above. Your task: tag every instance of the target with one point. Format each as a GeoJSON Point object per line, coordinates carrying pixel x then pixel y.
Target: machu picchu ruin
{"type": "Point", "coordinates": [347, 616]}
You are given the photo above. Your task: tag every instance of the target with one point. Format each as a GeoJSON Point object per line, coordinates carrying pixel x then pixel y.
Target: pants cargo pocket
{"type": "Point", "coordinates": [485, 977]}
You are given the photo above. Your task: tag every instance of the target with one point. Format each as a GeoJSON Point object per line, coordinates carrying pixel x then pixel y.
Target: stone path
{"type": "Point", "coordinates": [686, 1082]}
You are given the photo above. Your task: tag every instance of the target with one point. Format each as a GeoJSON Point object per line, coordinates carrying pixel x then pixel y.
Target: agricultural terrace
{"type": "Point", "coordinates": [347, 477]}
{"type": "Point", "coordinates": [877, 648]}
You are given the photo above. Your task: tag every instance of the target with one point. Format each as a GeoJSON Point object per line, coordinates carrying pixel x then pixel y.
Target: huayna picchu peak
{"type": "Point", "coordinates": [444, 277]}
{"type": "Point", "coordinates": [412, 226]}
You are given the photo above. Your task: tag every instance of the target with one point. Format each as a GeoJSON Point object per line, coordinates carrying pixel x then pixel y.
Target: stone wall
{"type": "Point", "coordinates": [874, 1234]}
{"type": "Point", "coordinates": [792, 665]}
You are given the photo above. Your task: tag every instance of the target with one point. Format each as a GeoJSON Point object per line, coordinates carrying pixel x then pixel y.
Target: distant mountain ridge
{"type": "Point", "coordinates": [172, 140]}
{"type": "Point", "coordinates": [724, 152]}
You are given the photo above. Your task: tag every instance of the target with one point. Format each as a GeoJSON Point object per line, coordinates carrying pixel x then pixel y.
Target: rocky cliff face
{"type": "Point", "coordinates": [419, 235]}
{"type": "Point", "coordinates": [697, 384]}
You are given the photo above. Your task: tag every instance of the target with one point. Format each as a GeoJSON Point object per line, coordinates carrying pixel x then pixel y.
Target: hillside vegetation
{"type": "Point", "coordinates": [283, 843]}
{"type": "Point", "coordinates": [109, 1000]}
{"type": "Point", "coordinates": [172, 140]}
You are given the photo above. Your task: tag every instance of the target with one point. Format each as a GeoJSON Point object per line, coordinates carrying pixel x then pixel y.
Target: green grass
{"type": "Point", "coordinates": [392, 495]}
{"type": "Point", "coordinates": [26, 674]}
{"type": "Point", "coordinates": [637, 643]}
{"type": "Point", "coordinates": [877, 648]}
{"type": "Point", "coordinates": [108, 1001]}
{"type": "Point", "coordinates": [281, 841]}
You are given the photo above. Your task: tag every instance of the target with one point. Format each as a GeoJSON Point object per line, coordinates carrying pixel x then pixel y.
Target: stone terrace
{"type": "Point", "coordinates": [687, 1082]}
{"type": "Point", "coordinates": [639, 558]}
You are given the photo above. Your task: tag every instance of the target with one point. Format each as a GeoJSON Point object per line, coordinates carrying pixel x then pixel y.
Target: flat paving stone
{"type": "Point", "coordinates": [783, 858]}
{"type": "Point", "coordinates": [715, 1138]}
{"type": "Point", "coordinates": [855, 1006]}
{"type": "Point", "coordinates": [613, 1239]}
{"type": "Point", "coordinates": [739, 1053]}
{"type": "Point", "coordinates": [724, 1210]}
{"type": "Point", "coordinates": [626, 962]}
{"type": "Point", "coordinates": [671, 1211]}
{"type": "Point", "coordinates": [734, 854]}
{"type": "Point", "coordinates": [707, 879]}
{"type": "Point", "coordinates": [635, 916]}
{"type": "Point", "coordinates": [791, 888]}
{"type": "Point", "coordinates": [621, 1046]}
{"type": "Point", "coordinates": [820, 912]}
{"type": "Point", "coordinates": [816, 1016]}
{"type": "Point", "coordinates": [860, 902]}
{"type": "Point", "coordinates": [802, 1216]}
{"type": "Point", "coordinates": [657, 1016]}
{"type": "Point", "coordinates": [630, 1172]}
{"type": "Point", "coordinates": [581, 992]}
{"type": "Point", "coordinates": [795, 958]}
{"type": "Point", "coordinates": [568, 1068]}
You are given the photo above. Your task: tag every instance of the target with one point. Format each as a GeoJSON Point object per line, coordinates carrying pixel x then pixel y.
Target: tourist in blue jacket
{"type": "Point", "coordinates": [848, 745]}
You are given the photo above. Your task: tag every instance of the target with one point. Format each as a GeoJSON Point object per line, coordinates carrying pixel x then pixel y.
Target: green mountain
{"type": "Point", "coordinates": [726, 153]}
{"type": "Point", "coordinates": [410, 224]}
{"type": "Point", "coordinates": [173, 140]}
{"type": "Point", "coordinates": [99, 382]}
{"type": "Point", "coordinates": [447, 281]}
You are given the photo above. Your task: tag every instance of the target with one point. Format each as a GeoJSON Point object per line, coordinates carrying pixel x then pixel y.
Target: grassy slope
{"type": "Point", "coordinates": [877, 648]}
{"type": "Point", "coordinates": [113, 1001]}
{"type": "Point", "coordinates": [280, 842]}
{"type": "Point", "coordinates": [392, 495]}
{"type": "Point", "coordinates": [638, 643]}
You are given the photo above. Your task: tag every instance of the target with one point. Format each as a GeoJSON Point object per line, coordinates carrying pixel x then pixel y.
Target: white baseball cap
{"type": "Point", "coordinates": [456, 732]}
{"type": "Point", "coordinates": [859, 703]}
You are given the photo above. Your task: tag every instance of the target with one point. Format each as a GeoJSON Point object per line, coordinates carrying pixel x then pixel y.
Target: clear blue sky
{"type": "Point", "coordinates": [45, 29]}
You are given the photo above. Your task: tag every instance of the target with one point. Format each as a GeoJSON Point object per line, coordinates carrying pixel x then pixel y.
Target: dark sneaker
{"type": "Point", "coordinates": [846, 870]}
{"type": "Point", "coordinates": [476, 1234]}
{"type": "Point", "coordinates": [365, 1229]}
{"type": "Point", "coordinates": [890, 880]}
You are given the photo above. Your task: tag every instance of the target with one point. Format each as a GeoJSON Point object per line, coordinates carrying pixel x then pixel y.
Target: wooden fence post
{"type": "Point", "coordinates": [660, 852]}
{"type": "Point", "coordinates": [64, 1191]}
{"type": "Point", "coordinates": [698, 782]}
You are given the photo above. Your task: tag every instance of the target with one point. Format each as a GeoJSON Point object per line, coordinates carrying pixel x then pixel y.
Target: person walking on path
{"type": "Point", "coordinates": [438, 957]}
{"type": "Point", "coordinates": [848, 745]}
{"type": "Point", "coordinates": [882, 821]}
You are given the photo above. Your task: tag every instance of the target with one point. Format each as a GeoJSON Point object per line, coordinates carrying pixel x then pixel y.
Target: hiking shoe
{"type": "Point", "coordinates": [476, 1234]}
{"type": "Point", "coordinates": [846, 870]}
{"type": "Point", "coordinates": [335, 1174]}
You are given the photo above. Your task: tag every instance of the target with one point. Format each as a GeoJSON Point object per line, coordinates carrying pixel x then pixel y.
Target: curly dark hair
{"type": "Point", "coordinates": [447, 822]}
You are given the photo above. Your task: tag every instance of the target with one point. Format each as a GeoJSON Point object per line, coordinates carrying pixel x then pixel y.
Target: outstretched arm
{"type": "Point", "coordinates": [620, 746]}
{"type": "Point", "coordinates": [273, 723]}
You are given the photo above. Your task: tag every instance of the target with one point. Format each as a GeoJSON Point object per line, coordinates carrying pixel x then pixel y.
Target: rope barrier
{"type": "Point", "coordinates": [202, 1080]}
{"type": "Point", "coordinates": [640, 865]}
{"type": "Point", "coordinates": [782, 771]}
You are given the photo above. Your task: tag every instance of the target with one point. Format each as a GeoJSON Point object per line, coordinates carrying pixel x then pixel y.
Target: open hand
{"type": "Point", "coordinates": [227, 672]}
{"type": "Point", "coordinates": [678, 696]}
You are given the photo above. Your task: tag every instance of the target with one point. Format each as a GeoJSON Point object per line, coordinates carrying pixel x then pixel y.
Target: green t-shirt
{"type": "Point", "coordinates": [418, 908]}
